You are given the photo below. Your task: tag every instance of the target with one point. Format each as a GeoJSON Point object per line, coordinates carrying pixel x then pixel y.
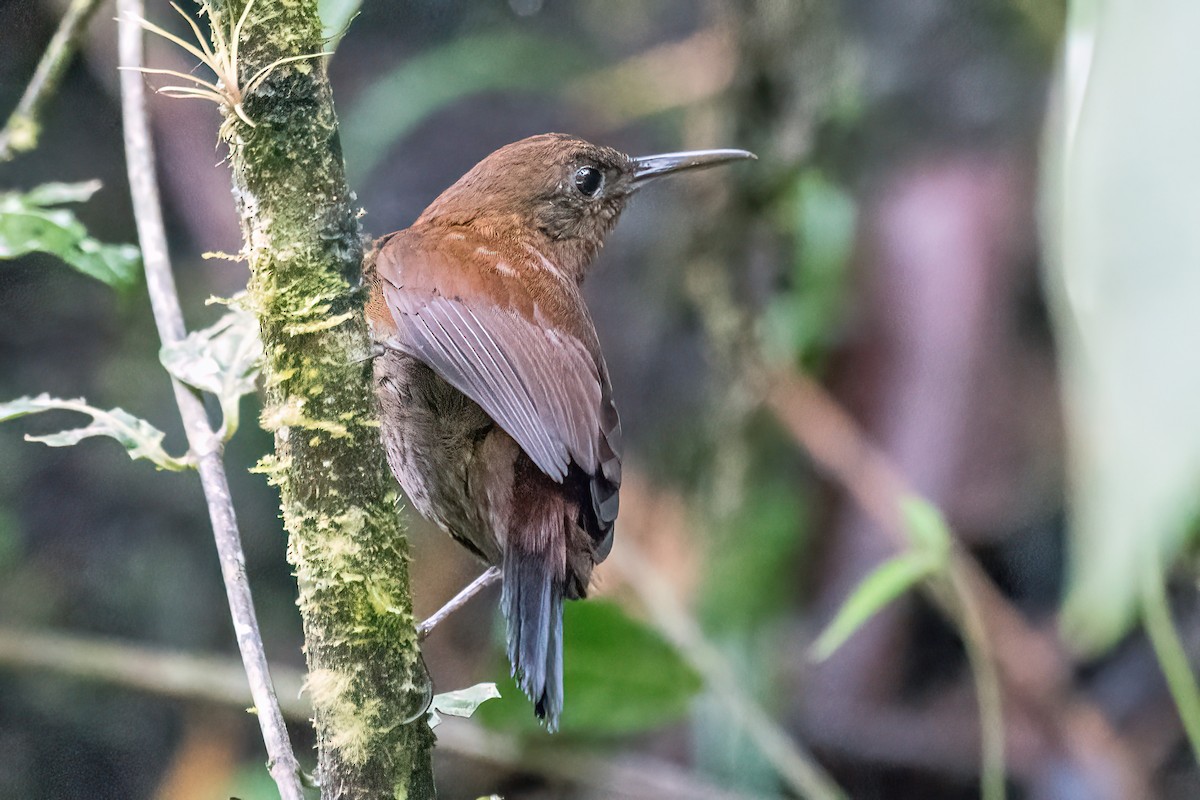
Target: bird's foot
{"type": "Point", "coordinates": [490, 576]}
{"type": "Point", "coordinates": [376, 351]}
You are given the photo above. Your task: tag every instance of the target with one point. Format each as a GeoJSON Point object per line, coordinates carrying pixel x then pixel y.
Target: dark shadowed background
{"type": "Point", "coordinates": [926, 170]}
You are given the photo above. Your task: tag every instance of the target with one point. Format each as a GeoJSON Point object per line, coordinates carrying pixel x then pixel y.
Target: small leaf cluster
{"type": "Point", "coordinates": [222, 359]}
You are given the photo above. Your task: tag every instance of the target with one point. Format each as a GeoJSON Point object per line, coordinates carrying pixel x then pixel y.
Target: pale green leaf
{"type": "Point", "coordinates": [139, 438]}
{"type": "Point", "coordinates": [888, 581]}
{"type": "Point", "coordinates": [223, 359]}
{"type": "Point", "coordinates": [1123, 277]}
{"type": "Point", "coordinates": [926, 527]}
{"type": "Point", "coordinates": [461, 702]}
{"type": "Point", "coordinates": [30, 223]}
{"type": "Point", "coordinates": [55, 194]}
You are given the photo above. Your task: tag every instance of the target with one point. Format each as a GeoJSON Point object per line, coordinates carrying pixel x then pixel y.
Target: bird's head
{"type": "Point", "coordinates": [564, 192]}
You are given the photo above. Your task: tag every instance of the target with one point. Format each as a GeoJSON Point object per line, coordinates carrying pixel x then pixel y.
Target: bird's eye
{"type": "Point", "coordinates": [588, 180]}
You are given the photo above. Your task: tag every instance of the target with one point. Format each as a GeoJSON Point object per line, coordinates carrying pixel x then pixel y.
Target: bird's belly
{"type": "Point", "coordinates": [431, 432]}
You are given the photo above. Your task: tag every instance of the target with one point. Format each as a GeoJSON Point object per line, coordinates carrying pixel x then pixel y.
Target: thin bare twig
{"type": "Point", "coordinates": [489, 576]}
{"type": "Point", "coordinates": [988, 691]}
{"type": "Point", "coordinates": [202, 440]}
{"type": "Point", "coordinates": [21, 131]}
{"type": "Point", "coordinates": [799, 770]}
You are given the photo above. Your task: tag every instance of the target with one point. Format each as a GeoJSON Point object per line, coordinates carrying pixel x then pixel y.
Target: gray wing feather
{"type": "Point", "coordinates": [543, 388]}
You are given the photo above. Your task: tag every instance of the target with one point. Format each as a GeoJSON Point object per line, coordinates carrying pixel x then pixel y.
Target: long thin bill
{"type": "Point", "coordinates": [647, 168]}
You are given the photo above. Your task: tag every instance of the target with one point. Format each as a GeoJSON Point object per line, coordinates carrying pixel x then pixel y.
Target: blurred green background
{"type": "Point", "coordinates": [974, 223]}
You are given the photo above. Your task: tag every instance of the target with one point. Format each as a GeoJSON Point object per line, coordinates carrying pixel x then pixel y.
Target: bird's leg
{"type": "Point", "coordinates": [490, 576]}
{"type": "Point", "coordinates": [376, 351]}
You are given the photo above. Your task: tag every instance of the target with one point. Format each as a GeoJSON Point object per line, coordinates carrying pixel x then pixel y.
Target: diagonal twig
{"type": "Point", "coordinates": [795, 766]}
{"type": "Point", "coordinates": [489, 576]}
{"type": "Point", "coordinates": [1030, 665]}
{"type": "Point", "coordinates": [20, 133]}
{"type": "Point", "coordinates": [203, 442]}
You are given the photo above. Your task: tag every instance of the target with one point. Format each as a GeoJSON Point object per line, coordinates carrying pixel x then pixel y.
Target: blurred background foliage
{"type": "Point", "coordinates": [973, 222]}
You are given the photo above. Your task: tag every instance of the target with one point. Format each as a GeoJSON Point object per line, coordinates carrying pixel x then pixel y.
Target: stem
{"type": "Point", "coordinates": [21, 131]}
{"type": "Point", "coordinates": [988, 691]}
{"type": "Point", "coordinates": [204, 444]}
{"type": "Point", "coordinates": [346, 541]}
{"type": "Point", "coordinates": [1172, 658]}
{"type": "Point", "coordinates": [220, 680]}
{"type": "Point", "coordinates": [489, 576]}
{"type": "Point", "coordinates": [187, 676]}
{"type": "Point", "coordinates": [798, 769]}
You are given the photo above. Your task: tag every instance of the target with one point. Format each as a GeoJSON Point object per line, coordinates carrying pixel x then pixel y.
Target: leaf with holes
{"type": "Point", "coordinates": [139, 438]}
{"type": "Point", "coordinates": [223, 359]}
{"type": "Point", "coordinates": [461, 702]}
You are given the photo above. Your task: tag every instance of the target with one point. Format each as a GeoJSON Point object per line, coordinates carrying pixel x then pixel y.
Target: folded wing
{"type": "Point", "coordinates": [543, 385]}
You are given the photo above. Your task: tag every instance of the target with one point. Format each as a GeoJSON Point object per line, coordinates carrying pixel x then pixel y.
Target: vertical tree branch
{"type": "Point", "coordinates": [205, 446]}
{"type": "Point", "coordinates": [21, 131]}
{"type": "Point", "coordinates": [366, 678]}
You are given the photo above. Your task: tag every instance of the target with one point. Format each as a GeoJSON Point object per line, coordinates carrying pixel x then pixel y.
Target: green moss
{"type": "Point", "coordinates": [338, 501]}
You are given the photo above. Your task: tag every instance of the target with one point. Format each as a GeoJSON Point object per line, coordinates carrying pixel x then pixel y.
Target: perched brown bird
{"type": "Point", "coordinates": [497, 414]}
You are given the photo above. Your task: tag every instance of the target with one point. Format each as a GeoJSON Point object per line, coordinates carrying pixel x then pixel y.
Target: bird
{"type": "Point", "coordinates": [496, 409]}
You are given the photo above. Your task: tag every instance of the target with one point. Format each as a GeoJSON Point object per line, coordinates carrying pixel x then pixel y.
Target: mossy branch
{"type": "Point", "coordinates": [366, 678]}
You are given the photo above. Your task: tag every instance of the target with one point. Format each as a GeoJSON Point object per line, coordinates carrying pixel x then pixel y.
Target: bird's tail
{"type": "Point", "coordinates": [532, 602]}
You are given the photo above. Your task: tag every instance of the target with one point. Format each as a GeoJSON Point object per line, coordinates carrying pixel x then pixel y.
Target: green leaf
{"type": "Point", "coordinates": [926, 528]}
{"type": "Point", "coordinates": [29, 223]}
{"type": "Point", "coordinates": [438, 77]}
{"type": "Point", "coordinates": [250, 782]}
{"type": "Point", "coordinates": [139, 438]}
{"type": "Point", "coordinates": [890, 579]}
{"type": "Point", "coordinates": [751, 575]}
{"type": "Point", "coordinates": [55, 194]}
{"type": "Point", "coordinates": [619, 676]}
{"type": "Point", "coordinates": [461, 702]}
{"type": "Point", "coordinates": [802, 322]}
{"type": "Point", "coordinates": [1123, 276]}
{"type": "Point", "coordinates": [223, 359]}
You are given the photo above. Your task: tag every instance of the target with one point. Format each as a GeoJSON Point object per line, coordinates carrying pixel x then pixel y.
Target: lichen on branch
{"type": "Point", "coordinates": [367, 681]}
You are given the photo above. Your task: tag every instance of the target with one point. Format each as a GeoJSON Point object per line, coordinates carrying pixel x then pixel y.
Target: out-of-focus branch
{"type": "Point", "coordinates": [799, 770]}
{"type": "Point", "coordinates": [221, 681]}
{"type": "Point", "coordinates": [203, 442]}
{"type": "Point", "coordinates": [629, 778]}
{"type": "Point", "coordinates": [21, 131]}
{"type": "Point", "coordinates": [1168, 647]}
{"type": "Point", "coordinates": [664, 77]}
{"type": "Point", "coordinates": [1033, 670]}
{"type": "Point", "coordinates": [1031, 662]}
{"type": "Point", "coordinates": [212, 679]}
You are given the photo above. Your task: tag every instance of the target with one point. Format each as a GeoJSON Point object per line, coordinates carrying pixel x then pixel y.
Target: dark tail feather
{"type": "Point", "coordinates": [532, 602]}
